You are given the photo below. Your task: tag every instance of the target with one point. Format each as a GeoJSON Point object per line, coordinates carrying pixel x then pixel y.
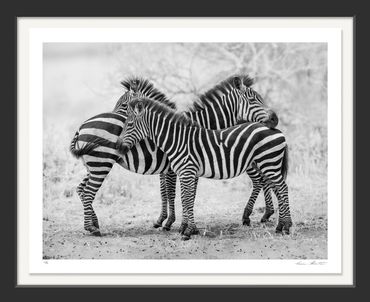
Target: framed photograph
{"type": "Point", "coordinates": [185, 151]}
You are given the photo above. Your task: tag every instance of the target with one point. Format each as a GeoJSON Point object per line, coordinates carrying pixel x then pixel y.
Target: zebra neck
{"type": "Point", "coordinates": [219, 114]}
{"type": "Point", "coordinates": [170, 136]}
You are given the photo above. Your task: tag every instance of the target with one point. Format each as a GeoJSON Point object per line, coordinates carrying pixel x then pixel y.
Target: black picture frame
{"type": "Point", "coordinates": [167, 9]}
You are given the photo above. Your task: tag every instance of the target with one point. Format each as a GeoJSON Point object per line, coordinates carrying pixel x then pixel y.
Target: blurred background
{"type": "Point", "coordinates": [83, 79]}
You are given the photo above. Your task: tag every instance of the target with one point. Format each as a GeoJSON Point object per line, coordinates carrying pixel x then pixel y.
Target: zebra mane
{"type": "Point", "coordinates": [144, 86]}
{"type": "Point", "coordinates": [158, 107]}
{"type": "Point", "coordinates": [223, 87]}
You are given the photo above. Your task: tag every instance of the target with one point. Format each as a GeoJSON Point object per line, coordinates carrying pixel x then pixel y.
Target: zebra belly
{"type": "Point", "coordinates": [220, 172]}
{"type": "Point", "coordinates": [219, 176]}
{"type": "Point", "coordinates": [223, 165]}
{"type": "Point", "coordinates": [128, 164]}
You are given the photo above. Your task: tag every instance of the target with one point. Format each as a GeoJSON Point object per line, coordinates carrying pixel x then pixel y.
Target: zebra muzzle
{"type": "Point", "coordinates": [272, 121]}
{"type": "Point", "coordinates": [121, 147]}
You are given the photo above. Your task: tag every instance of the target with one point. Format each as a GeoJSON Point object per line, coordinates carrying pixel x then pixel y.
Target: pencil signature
{"type": "Point", "coordinates": [309, 262]}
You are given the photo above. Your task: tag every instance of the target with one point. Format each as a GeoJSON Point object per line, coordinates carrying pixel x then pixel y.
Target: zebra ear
{"type": "Point", "coordinates": [134, 85]}
{"type": "Point", "coordinates": [238, 82]}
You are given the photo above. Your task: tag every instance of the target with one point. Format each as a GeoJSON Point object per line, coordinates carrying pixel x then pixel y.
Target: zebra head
{"type": "Point", "coordinates": [251, 106]}
{"type": "Point", "coordinates": [135, 128]}
{"type": "Point", "coordinates": [121, 105]}
{"type": "Point", "coordinates": [137, 87]}
{"type": "Point", "coordinates": [133, 91]}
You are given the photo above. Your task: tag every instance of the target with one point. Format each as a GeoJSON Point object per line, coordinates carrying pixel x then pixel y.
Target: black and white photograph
{"type": "Point", "coordinates": [185, 151]}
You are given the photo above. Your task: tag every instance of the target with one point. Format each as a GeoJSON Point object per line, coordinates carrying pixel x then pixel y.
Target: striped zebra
{"type": "Point", "coordinates": [220, 107]}
{"type": "Point", "coordinates": [195, 152]}
{"type": "Point", "coordinates": [228, 103]}
{"type": "Point", "coordinates": [95, 143]}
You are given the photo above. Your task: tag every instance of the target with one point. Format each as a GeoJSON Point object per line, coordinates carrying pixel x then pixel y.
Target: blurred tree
{"type": "Point", "coordinates": [291, 77]}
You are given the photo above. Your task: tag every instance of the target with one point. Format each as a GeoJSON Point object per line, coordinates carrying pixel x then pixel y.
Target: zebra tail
{"type": "Point", "coordinates": [284, 168]}
{"type": "Point", "coordinates": [89, 146]}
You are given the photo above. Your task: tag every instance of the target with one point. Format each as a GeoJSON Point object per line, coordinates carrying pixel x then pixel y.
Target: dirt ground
{"type": "Point", "coordinates": [235, 242]}
{"type": "Point", "coordinates": [127, 232]}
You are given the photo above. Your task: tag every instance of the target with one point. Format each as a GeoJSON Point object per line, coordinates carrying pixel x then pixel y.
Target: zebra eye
{"type": "Point", "coordinates": [253, 99]}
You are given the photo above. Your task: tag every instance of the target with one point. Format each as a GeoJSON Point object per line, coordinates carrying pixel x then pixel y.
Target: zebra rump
{"type": "Point", "coordinates": [86, 149]}
{"type": "Point", "coordinates": [284, 164]}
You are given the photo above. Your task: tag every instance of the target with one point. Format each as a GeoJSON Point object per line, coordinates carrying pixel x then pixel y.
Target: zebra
{"type": "Point", "coordinates": [195, 152]}
{"type": "Point", "coordinates": [228, 103]}
{"type": "Point", "coordinates": [225, 104]}
{"type": "Point", "coordinates": [95, 143]}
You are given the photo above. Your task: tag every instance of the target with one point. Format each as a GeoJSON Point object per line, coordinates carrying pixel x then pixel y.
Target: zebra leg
{"type": "Point", "coordinates": [163, 190]}
{"type": "Point", "coordinates": [281, 190]}
{"type": "Point", "coordinates": [196, 185]}
{"type": "Point", "coordinates": [92, 187]}
{"type": "Point", "coordinates": [269, 205]}
{"type": "Point", "coordinates": [171, 178]}
{"type": "Point", "coordinates": [184, 222]}
{"type": "Point", "coordinates": [285, 220]}
{"type": "Point", "coordinates": [80, 192]}
{"type": "Point", "coordinates": [81, 187]}
{"type": "Point", "coordinates": [188, 191]}
{"type": "Point", "coordinates": [257, 185]}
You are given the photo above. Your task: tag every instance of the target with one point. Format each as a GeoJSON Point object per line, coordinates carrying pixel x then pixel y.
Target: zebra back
{"type": "Point", "coordinates": [228, 102]}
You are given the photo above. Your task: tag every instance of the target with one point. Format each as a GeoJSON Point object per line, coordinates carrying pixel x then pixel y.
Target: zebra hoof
{"type": "Point", "coordinates": [279, 228]}
{"type": "Point", "coordinates": [96, 233]}
{"type": "Point", "coordinates": [283, 232]}
{"type": "Point", "coordinates": [195, 232]}
{"type": "Point", "coordinates": [191, 231]}
{"type": "Point", "coordinates": [286, 229]}
{"type": "Point", "coordinates": [246, 221]}
{"type": "Point", "coordinates": [182, 228]}
{"type": "Point", "coordinates": [166, 228]}
{"type": "Point", "coordinates": [93, 230]}
{"type": "Point", "coordinates": [185, 237]}
{"type": "Point", "coordinates": [157, 225]}
{"type": "Point", "coordinates": [266, 217]}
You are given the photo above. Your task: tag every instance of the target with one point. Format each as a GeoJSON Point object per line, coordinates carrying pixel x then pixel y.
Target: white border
{"type": "Point", "coordinates": [33, 32]}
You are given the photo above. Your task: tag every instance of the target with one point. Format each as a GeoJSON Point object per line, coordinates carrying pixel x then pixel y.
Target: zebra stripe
{"type": "Point", "coordinates": [198, 149]}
